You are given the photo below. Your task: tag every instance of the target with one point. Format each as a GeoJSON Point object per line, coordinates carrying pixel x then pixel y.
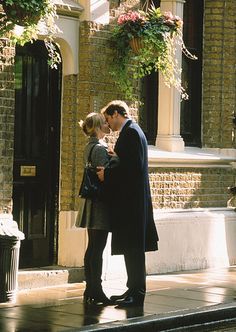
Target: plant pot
{"type": "Point", "coordinates": [136, 44]}
{"type": "Point", "coordinates": [20, 16]}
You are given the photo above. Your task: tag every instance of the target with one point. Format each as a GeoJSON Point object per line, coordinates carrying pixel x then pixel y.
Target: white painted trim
{"type": "Point", "coordinates": [191, 157]}
{"type": "Point", "coordinates": [68, 6]}
{"type": "Point", "coordinates": [187, 214]}
{"type": "Point", "coordinates": [69, 43]}
{"type": "Point", "coordinates": [189, 239]}
{"type": "Point", "coordinates": [168, 133]}
{"type": "Point", "coordinates": [193, 240]}
{"type": "Point", "coordinates": [170, 142]}
{"type": "Point", "coordinates": [96, 11]}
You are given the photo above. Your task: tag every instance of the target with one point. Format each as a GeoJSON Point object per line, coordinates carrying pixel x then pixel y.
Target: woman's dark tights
{"type": "Point", "coordinates": [93, 259]}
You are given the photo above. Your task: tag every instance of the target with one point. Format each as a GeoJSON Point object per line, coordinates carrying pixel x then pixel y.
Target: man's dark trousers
{"type": "Point", "coordinates": [136, 271]}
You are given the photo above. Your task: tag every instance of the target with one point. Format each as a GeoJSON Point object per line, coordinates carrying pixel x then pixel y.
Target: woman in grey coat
{"type": "Point", "coordinates": [95, 215]}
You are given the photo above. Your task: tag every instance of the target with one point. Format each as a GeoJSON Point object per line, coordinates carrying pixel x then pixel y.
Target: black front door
{"type": "Point", "coordinates": [36, 154]}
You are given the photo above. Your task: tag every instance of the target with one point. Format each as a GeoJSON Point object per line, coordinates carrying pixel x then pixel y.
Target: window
{"type": "Point", "coordinates": [149, 110]}
{"type": "Point", "coordinates": [190, 125]}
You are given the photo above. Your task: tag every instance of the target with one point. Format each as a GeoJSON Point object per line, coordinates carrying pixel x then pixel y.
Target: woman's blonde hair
{"type": "Point", "coordinates": [92, 122]}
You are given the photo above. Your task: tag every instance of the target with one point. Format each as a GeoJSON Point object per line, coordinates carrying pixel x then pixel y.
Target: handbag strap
{"type": "Point", "coordinates": [90, 153]}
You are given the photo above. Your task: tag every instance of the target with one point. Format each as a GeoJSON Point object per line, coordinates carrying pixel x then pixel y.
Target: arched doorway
{"type": "Point", "coordinates": [36, 154]}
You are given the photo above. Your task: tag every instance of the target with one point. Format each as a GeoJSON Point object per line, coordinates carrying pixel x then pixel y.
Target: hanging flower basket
{"type": "Point", "coordinates": [136, 44]}
{"type": "Point", "coordinates": [25, 12]}
{"type": "Point", "coordinates": [24, 21]}
{"type": "Point", "coordinates": [147, 42]}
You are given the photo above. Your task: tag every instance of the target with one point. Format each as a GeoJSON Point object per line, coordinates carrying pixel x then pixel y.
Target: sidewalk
{"type": "Point", "coordinates": [172, 300]}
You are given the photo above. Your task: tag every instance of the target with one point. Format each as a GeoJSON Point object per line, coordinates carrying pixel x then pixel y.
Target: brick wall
{"type": "Point", "coordinates": [7, 99]}
{"type": "Point", "coordinates": [93, 88]}
{"type": "Point", "coordinates": [219, 74]}
{"type": "Point", "coordinates": [96, 87]}
{"type": "Point", "coordinates": [88, 92]}
{"type": "Point", "coordinates": [69, 143]}
{"type": "Point", "coordinates": [175, 188]}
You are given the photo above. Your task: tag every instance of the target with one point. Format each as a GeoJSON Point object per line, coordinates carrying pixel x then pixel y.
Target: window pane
{"type": "Point", "coordinates": [192, 73]}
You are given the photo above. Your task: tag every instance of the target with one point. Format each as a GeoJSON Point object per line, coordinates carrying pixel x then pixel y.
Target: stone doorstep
{"type": "Point", "coordinates": [48, 276]}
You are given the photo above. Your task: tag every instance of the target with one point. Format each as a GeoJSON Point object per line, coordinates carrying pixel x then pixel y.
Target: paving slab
{"type": "Point", "coordinates": [173, 302]}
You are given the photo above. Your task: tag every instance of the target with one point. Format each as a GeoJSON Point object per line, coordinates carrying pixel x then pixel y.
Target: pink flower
{"type": "Point", "coordinates": [121, 19]}
{"type": "Point", "coordinates": [129, 16]}
{"type": "Point", "coordinates": [169, 16]}
{"type": "Point", "coordinates": [177, 18]}
{"type": "Point", "coordinates": [172, 20]}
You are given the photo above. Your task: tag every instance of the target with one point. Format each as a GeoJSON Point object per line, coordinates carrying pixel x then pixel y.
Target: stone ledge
{"type": "Point", "coordinates": [197, 239]}
{"type": "Point", "coordinates": [48, 276]}
{"type": "Point", "coordinates": [191, 157]}
{"type": "Point", "coordinates": [176, 215]}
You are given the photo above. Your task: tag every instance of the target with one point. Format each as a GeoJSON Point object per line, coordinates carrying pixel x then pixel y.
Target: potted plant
{"type": "Point", "coordinates": [24, 21]}
{"type": "Point", "coordinates": [147, 41]}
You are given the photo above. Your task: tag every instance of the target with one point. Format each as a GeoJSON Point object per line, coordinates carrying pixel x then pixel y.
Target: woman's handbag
{"type": "Point", "coordinates": [90, 185]}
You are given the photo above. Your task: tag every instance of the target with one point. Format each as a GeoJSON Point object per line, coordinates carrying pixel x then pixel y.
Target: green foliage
{"type": "Point", "coordinates": [23, 21]}
{"type": "Point", "coordinates": [159, 35]}
{"type": "Point", "coordinates": [35, 7]}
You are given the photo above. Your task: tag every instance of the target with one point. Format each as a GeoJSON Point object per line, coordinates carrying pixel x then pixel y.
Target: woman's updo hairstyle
{"type": "Point", "coordinates": [92, 122]}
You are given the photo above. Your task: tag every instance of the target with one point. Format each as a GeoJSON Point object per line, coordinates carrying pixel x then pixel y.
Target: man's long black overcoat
{"type": "Point", "coordinates": [130, 199]}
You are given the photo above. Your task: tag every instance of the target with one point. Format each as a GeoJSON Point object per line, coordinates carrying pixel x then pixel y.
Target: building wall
{"type": "Point", "coordinates": [219, 75]}
{"type": "Point", "coordinates": [7, 100]}
{"type": "Point", "coordinates": [83, 93]}
{"type": "Point", "coordinates": [175, 189]}
{"type": "Point", "coordinates": [95, 88]}
{"type": "Point", "coordinates": [172, 187]}
{"type": "Point", "coordinates": [69, 144]}
{"type": "Point", "coordinates": [187, 188]}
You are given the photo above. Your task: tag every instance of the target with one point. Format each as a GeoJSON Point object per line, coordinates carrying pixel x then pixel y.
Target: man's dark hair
{"type": "Point", "coordinates": [120, 106]}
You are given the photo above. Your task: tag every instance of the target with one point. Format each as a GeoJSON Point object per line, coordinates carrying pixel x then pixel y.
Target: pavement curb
{"type": "Point", "coordinates": [169, 321]}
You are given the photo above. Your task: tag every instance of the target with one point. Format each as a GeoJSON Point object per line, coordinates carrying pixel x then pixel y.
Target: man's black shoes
{"type": "Point", "coordinates": [131, 298]}
{"type": "Point", "coordinates": [115, 298]}
{"type": "Point", "coordinates": [130, 301]}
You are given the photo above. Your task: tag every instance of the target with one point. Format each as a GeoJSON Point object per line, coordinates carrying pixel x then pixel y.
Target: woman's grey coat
{"type": "Point", "coordinates": [94, 213]}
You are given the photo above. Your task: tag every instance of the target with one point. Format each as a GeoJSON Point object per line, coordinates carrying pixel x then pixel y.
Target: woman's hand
{"type": "Point", "coordinates": [100, 173]}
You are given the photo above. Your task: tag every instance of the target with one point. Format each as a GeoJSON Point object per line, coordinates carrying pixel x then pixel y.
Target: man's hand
{"type": "Point", "coordinates": [100, 173]}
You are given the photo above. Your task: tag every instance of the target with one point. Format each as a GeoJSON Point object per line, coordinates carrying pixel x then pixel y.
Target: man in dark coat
{"type": "Point", "coordinates": [133, 228]}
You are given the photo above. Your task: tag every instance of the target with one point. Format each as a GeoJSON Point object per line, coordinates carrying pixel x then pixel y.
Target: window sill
{"type": "Point", "coordinates": [192, 157]}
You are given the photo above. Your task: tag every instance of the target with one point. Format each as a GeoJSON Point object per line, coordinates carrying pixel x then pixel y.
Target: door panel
{"type": "Point", "coordinates": [36, 153]}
